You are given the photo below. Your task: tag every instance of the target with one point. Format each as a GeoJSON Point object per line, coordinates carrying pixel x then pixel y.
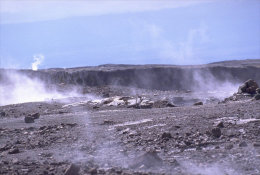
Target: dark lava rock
{"type": "Point", "coordinates": [229, 146]}
{"type": "Point", "coordinates": [249, 87]}
{"type": "Point", "coordinates": [93, 171]}
{"type": "Point", "coordinates": [166, 135]}
{"type": "Point", "coordinates": [163, 104]}
{"type": "Point", "coordinates": [148, 160]}
{"type": "Point", "coordinates": [220, 125]}
{"type": "Point", "coordinates": [216, 132]}
{"type": "Point", "coordinates": [13, 151]}
{"type": "Point", "coordinates": [35, 115]}
{"type": "Point", "coordinates": [198, 103]}
{"type": "Point", "coordinates": [72, 170]}
{"type": "Point", "coordinates": [28, 119]}
{"type": "Point", "coordinates": [256, 144]}
{"type": "Point", "coordinates": [2, 114]}
{"type": "Point", "coordinates": [257, 97]}
{"type": "Point", "coordinates": [258, 90]}
{"type": "Point", "coordinates": [243, 144]}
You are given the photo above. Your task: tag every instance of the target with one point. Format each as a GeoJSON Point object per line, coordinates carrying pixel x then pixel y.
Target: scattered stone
{"type": "Point", "coordinates": [95, 107]}
{"type": "Point", "coordinates": [220, 125]}
{"type": "Point", "coordinates": [256, 144]}
{"type": "Point", "coordinates": [108, 122]}
{"type": "Point", "coordinates": [35, 115]}
{"type": "Point", "coordinates": [93, 171]}
{"type": "Point", "coordinates": [249, 87]}
{"type": "Point", "coordinates": [257, 97]}
{"type": "Point", "coordinates": [72, 170]}
{"type": "Point", "coordinates": [13, 151]}
{"type": "Point", "coordinates": [2, 114]}
{"type": "Point", "coordinates": [198, 103]}
{"type": "Point", "coordinates": [217, 147]}
{"type": "Point", "coordinates": [166, 135]}
{"type": "Point", "coordinates": [147, 160]}
{"type": "Point", "coordinates": [243, 144]}
{"type": "Point", "coordinates": [216, 132]}
{"type": "Point", "coordinates": [15, 161]}
{"type": "Point", "coordinates": [258, 90]}
{"type": "Point", "coordinates": [28, 119]}
{"type": "Point", "coordinates": [163, 104]}
{"type": "Point", "coordinates": [229, 146]}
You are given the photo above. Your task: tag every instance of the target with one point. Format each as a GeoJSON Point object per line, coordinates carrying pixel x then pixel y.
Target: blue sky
{"type": "Point", "coordinates": [86, 33]}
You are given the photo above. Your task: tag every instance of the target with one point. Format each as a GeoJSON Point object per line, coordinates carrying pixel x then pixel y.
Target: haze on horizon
{"type": "Point", "coordinates": [62, 33]}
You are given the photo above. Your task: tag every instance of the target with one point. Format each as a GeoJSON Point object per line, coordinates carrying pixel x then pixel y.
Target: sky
{"type": "Point", "coordinates": [63, 33]}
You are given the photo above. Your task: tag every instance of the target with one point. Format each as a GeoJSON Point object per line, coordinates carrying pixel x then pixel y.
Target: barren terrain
{"type": "Point", "coordinates": [157, 120]}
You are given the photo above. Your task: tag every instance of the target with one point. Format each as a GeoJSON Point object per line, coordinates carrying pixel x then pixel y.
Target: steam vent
{"type": "Point", "coordinates": [131, 119]}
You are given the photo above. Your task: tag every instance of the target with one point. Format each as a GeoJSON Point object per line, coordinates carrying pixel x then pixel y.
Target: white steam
{"type": "Point", "coordinates": [19, 88]}
{"type": "Point", "coordinates": [207, 85]}
{"type": "Point", "coordinates": [38, 59]}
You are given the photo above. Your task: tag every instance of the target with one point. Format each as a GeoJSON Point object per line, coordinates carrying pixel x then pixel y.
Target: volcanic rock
{"type": "Point", "coordinates": [148, 160]}
{"type": "Point", "coordinates": [249, 87]}
{"type": "Point", "coordinates": [220, 125]}
{"type": "Point", "coordinates": [216, 132]}
{"type": "Point", "coordinates": [13, 151]}
{"type": "Point", "coordinates": [35, 115]}
{"type": "Point", "coordinates": [198, 103]}
{"type": "Point", "coordinates": [243, 144]}
{"type": "Point", "coordinates": [28, 119]}
{"type": "Point", "coordinates": [2, 114]}
{"type": "Point", "coordinates": [257, 97]}
{"type": "Point", "coordinates": [163, 103]}
{"type": "Point", "coordinates": [72, 170]}
{"type": "Point", "coordinates": [229, 146]}
{"type": "Point", "coordinates": [258, 90]}
{"type": "Point", "coordinates": [166, 135]}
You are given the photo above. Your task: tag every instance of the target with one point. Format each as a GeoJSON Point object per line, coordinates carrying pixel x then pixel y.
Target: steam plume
{"type": "Point", "coordinates": [38, 59]}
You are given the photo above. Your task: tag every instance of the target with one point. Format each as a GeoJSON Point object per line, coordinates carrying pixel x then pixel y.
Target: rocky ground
{"type": "Point", "coordinates": [132, 131]}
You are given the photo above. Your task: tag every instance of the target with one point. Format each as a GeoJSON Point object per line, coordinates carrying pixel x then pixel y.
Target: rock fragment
{"type": "Point", "coordinates": [35, 115]}
{"type": "Point", "coordinates": [13, 151]}
{"type": "Point", "coordinates": [229, 146]}
{"type": "Point", "coordinates": [243, 144]}
{"type": "Point", "coordinates": [147, 160]}
{"type": "Point", "coordinates": [256, 144]}
{"type": "Point", "coordinates": [216, 132]}
{"type": "Point", "coordinates": [220, 125]}
{"type": "Point", "coordinates": [249, 87]}
{"type": "Point", "coordinates": [28, 119]}
{"type": "Point", "coordinates": [257, 97]}
{"type": "Point", "coordinates": [2, 114]}
{"type": "Point", "coordinates": [198, 103]}
{"type": "Point", "coordinates": [166, 135]}
{"type": "Point", "coordinates": [72, 170]}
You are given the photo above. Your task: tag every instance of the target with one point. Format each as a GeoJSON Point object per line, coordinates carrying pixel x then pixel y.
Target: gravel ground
{"type": "Point", "coordinates": [75, 136]}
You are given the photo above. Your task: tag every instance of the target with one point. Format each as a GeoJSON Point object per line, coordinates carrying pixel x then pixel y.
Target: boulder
{"type": "Point", "coordinates": [166, 136]}
{"type": "Point", "coordinates": [163, 104]}
{"type": "Point", "coordinates": [198, 103]}
{"type": "Point", "coordinates": [2, 114]}
{"type": "Point", "coordinates": [72, 170]}
{"type": "Point", "coordinates": [216, 132]}
{"type": "Point", "coordinates": [148, 160]}
{"type": "Point", "coordinates": [258, 90]}
{"type": "Point", "coordinates": [35, 115]}
{"type": "Point", "coordinates": [28, 119]}
{"type": "Point", "coordinates": [249, 87]}
{"type": "Point", "coordinates": [13, 151]}
{"type": "Point", "coordinates": [257, 97]}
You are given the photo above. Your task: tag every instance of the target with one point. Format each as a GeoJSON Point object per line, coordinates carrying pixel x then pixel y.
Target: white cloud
{"type": "Point", "coordinates": [14, 11]}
